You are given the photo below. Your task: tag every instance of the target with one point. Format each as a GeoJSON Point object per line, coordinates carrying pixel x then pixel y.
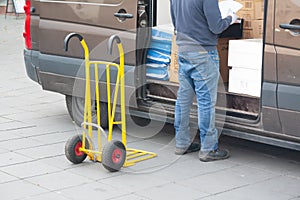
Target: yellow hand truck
{"type": "Point", "coordinates": [115, 153]}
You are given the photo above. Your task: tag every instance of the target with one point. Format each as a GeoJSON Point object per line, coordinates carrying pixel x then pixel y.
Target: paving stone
{"type": "Point", "coordinates": [20, 143]}
{"type": "Point", "coordinates": [92, 170]}
{"type": "Point", "coordinates": [176, 171]}
{"type": "Point", "coordinates": [59, 180]}
{"type": "Point", "coordinates": [11, 158]}
{"type": "Point", "coordinates": [171, 191]}
{"type": "Point", "coordinates": [19, 190]}
{"type": "Point", "coordinates": [4, 177]}
{"type": "Point", "coordinates": [255, 191]}
{"type": "Point", "coordinates": [283, 185]}
{"type": "Point", "coordinates": [8, 135]}
{"type": "Point", "coordinates": [60, 162]}
{"type": "Point", "coordinates": [135, 182]}
{"type": "Point", "coordinates": [43, 151]}
{"type": "Point", "coordinates": [47, 196]}
{"type": "Point", "coordinates": [95, 190]}
{"type": "Point", "coordinates": [29, 169]}
{"type": "Point", "coordinates": [232, 178]}
{"type": "Point", "coordinates": [131, 197]}
{"type": "Point", "coordinates": [277, 165]}
{"type": "Point", "coordinates": [60, 137]}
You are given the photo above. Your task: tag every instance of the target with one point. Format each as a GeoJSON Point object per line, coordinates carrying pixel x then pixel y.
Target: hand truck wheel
{"type": "Point", "coordinates": [113, 155]}
{"type": "Point", "coordinates": [72, 151]}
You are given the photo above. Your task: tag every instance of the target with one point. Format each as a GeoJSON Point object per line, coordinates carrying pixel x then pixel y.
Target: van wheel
{"type": "Point", "coordinates": [75, 106]}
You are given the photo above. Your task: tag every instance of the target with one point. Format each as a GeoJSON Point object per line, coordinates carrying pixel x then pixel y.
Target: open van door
{"type": "Point", "coordinates": [287, 44]}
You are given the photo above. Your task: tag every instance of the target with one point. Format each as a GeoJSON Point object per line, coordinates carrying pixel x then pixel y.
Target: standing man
{"type": "Point", "coordinates": [198, 24]}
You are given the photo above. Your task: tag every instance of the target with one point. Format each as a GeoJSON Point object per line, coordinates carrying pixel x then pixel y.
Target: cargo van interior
{"type": "Point", "coordinates": [241, 54]}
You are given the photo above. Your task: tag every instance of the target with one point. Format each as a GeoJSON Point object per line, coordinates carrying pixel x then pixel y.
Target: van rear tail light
{"type": "Point", "coordinates": [27, 34]}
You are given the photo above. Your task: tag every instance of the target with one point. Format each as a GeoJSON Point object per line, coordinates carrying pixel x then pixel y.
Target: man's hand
{"type": "Point", "coordinates": [233, 16]}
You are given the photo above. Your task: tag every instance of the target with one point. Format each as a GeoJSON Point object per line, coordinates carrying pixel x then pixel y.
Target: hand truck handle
{"type": "Point", "coordinates": [111, 41]}
{"type": "Point", "coordinates": [68, 37]}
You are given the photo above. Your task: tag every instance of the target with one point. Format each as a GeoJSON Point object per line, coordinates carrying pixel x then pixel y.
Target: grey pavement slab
{"type": "Point", "coordinates": [135, 182]}
{"type": "Point", "coordinates": [227, 179]}
{"type": "Point", "coordinates": [60, 162]}
{"type": "Point", "coordinates": [172, 191]}
{"type": "Point", "coordinates": [43, 151]}
{"type": "Point", "coordinates": [4, 177]}
{"type": "Point", "coordinates": [95, 190]}
{"type": "Point", "coordinates": [20, 189]}
{"type": "Point", "coordinates": [131, 197]}
{"type": "Point", "coordinates": [20, 143]}
{"type": "Point", "coordinates": [11, 158]}
{"type": "Point", "coordinates": [59, 180]}
{"type": "Point", "coordinates": [186, 170]}
{"type": "Point", "coordinates": [271, 189]}
{"type": "Point", "coordinates": [46, 196]}
{"type": "Point", "coordinates": [30, 169]}
{"type": "Point", "coordinates": [94, 171]}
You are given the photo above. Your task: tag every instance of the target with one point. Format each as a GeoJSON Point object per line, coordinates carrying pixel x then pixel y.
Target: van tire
{"type": "Point", "coordinates": [75, 107]}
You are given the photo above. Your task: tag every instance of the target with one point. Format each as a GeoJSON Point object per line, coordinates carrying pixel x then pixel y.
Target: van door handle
{"type": "Point", "coordinates": [123, 15]}
{"type": "Point", "coordinates": [290, 26]}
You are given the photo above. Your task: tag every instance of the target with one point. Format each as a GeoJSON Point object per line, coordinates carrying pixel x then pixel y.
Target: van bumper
{"type": "Point", "coordinates": [31, 64]}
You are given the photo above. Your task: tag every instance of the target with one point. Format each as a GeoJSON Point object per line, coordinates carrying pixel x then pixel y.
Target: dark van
{"type": "Point", "coordinates": [259, 95]}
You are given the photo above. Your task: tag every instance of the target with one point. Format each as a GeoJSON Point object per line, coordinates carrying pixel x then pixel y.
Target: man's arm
{"type": "Point", "coordinates": [213, 15]}
{"type": "Point", "coordinates": [172, 14]}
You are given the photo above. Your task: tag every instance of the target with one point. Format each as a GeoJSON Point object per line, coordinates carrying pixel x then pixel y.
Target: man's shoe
{"type": "Point", "coordinates": [192, 148]}
{"type": "Point", "coordinates": [213, 155]}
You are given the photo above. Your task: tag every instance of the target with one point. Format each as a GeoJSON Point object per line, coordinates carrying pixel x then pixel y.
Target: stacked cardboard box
{"type": "Point", "coordinates": [253, 14]}
{"type": "Point", "coordinates": [245, 58]}
{"type": "Point", "coordinates": [174, 61]}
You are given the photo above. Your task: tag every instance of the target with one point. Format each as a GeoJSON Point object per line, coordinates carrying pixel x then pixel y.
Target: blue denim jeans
{"type": "Point", "coordinates": [198, 74]}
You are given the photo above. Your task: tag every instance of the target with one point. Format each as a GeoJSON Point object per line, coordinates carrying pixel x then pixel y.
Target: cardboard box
{"type": "Point", "coordinates": [259, 10]}
{"type": "Point", "coordinates": [247, 34]}
{"type": "Point", "coordinates": [258, 28]}
{"type": "Point", "coordinates": [245, 81]}
{"type": "Point", "coordinates": [247, 4]}
{"type": "Point", "coordinates": [248, 16]}
{"type": "Point", "coordinates": [223, 44]}
{"type": "Point", "coordinates": [174, 61]}
{"type": "Point", "coordinates": [245, 53]}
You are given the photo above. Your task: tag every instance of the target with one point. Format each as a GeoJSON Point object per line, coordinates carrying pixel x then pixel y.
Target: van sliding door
{"type": "Point", "coordinates": [96, 20]}
{"type": "Point", "coordinates": [287, 44]}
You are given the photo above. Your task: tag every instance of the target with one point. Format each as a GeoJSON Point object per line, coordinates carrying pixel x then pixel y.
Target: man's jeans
{"type": "Point", "coordinates": [198, 73]}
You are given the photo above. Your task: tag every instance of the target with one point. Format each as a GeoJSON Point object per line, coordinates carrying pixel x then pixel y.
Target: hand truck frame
{"type": "Point", "coordinates": [115, 153]}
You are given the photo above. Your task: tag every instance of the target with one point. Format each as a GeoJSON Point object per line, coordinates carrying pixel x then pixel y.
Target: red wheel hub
{"type": "Point", "coordinates": [117, 156]}
{"type": "Point", "coordinates": [77, 147]}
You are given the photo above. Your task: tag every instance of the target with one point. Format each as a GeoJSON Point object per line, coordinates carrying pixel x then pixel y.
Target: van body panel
{"type": "Point", "coordinates": [269, 63]}
{"type": "Point", "coordinates": [287, 43]}
{"type": "Point", "coordinates": [288, 62]}
{"type": "Point", "coordinates": [269, 28]}
{"type": "Point", "coordinates": [286, 12]}
{"type": "Point", "coordinates": [93, 20]}
{"type": "Point", "coordinates": [270, 119]}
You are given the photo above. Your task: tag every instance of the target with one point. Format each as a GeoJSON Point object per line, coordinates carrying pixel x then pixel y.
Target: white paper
{"type": "Point", "coordinates": [229, 6]}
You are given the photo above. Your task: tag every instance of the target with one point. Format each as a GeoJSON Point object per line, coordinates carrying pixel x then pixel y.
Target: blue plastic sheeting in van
{"type": "Point", "coordinates": [161, 41]}
{"type": "Point", "coordinates": [157, 71]}
{"type": "Point", "coordinates": [158, 57]}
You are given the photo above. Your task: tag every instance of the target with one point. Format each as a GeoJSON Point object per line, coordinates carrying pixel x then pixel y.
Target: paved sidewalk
{"type": "Point", "coordinates": [34, 126]}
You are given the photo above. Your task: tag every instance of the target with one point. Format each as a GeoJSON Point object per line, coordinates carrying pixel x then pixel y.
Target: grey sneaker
{"type": "Point", "coordinates": [192, 148]}
{"type": "Point", "coordinates": [213, 155]}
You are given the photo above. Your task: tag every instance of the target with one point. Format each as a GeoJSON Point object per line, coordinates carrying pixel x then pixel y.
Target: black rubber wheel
{"type": "Point", "coordinates": [75, 106]}
{"type": "Point", "coordinates": [72, 149]}
{"type": "Point", "coordinates": [113, 155]}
